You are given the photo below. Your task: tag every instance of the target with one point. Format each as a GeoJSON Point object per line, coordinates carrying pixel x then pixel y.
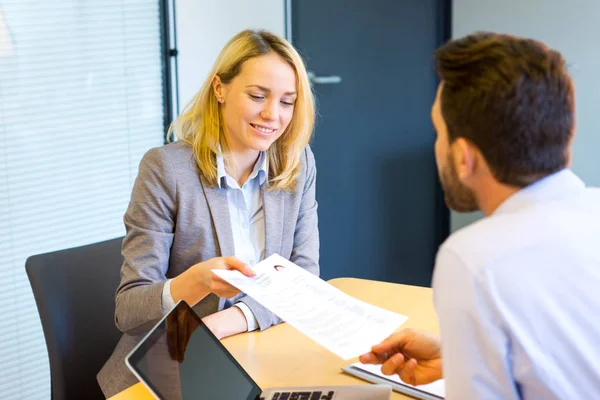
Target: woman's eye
{"type": "Point", "coordinates": [255, 97]}
{"type": "Point", "coordinates": [287, 103]}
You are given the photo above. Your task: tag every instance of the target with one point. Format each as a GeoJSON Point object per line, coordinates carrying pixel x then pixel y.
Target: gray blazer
{"type": "Point", "coordinates": [175, 220]}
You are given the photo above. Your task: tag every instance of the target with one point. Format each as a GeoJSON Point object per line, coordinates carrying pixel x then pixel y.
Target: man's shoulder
{"type": "Point", "coordinates": [491, 239]}
{"type": "Point", "coordinates": [593, 193]}
{"type": "Point", "coordinates": [477, 239]}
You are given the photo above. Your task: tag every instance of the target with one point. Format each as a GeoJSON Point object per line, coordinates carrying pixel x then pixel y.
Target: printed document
{"type": "Point", "coordinates": [344, 325]}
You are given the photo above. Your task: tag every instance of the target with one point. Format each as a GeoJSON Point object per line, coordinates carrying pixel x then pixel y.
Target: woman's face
{"type": "Point", "coordinates": [258, 104]}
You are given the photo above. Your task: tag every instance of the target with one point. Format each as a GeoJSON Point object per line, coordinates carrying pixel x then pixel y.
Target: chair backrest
{"type": "Point", "coordinates": [75, 290]}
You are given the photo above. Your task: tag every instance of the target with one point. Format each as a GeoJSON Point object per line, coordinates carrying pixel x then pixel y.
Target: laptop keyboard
{"type": "Point", "coordinates": [316, 395]}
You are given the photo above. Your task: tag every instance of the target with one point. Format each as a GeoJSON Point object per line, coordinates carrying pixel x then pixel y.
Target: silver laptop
{"type": "Point", "coordinates": [180, 359]}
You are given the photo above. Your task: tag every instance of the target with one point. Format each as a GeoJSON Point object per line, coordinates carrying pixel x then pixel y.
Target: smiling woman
{"type": "Point", "coordinates": [237, 187]}
{"type": "Point", "coordinates": [257, 106]}
{"type": "Point", "coordinates": [258, 85]}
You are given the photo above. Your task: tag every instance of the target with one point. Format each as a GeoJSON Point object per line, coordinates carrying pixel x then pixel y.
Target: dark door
{"type": "Point", "coordinates": [381, 212]}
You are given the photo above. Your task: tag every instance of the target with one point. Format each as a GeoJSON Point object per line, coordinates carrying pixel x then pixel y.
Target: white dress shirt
{"type": "Point", "coordinates": [518, 297]}
{"type": "Point", "coordinates": [247, 216]}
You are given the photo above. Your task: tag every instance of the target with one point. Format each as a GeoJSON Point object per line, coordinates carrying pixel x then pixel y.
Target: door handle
{"type": "Point", "coordinates": [324, 80]}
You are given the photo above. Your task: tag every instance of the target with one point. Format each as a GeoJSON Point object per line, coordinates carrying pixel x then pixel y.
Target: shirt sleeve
{"type": "Point", "coordinates": [475, 347]}
{"type": "Point", "coordinates": [250, 318]}
{"type": "Point", "coordinates": [167, 300]}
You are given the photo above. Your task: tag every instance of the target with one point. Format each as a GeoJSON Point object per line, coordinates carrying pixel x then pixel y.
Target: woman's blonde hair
{"type": "Point", "coordinates": [201, 123]}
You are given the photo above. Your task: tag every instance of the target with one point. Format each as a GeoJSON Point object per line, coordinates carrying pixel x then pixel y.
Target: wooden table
{"type": "Point", "coordinates": [282, 356]}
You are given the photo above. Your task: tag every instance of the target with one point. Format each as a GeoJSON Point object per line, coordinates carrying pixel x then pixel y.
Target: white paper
{"type": "Point", "coordinates": [344, 325]}
{"type": "Point", "coordinates": [437, 388]}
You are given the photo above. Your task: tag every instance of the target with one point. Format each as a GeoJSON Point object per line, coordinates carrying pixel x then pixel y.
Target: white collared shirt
{"type": "Point", "coordinates": [247, 216]}
{"type": "Point", "coordinates": [518, 297]}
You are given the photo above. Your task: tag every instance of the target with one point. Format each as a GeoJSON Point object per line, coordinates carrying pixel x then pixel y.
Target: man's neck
{"type": "Point", "coordinates": [491, 195]}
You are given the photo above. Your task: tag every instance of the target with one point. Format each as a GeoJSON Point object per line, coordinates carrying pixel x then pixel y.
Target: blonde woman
{"type": "Point", "coordinates": [238, 186]}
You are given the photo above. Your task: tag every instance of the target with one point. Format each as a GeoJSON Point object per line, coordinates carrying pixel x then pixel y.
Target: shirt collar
{"type": "Point", "coordinates": [557, 185]}
{"type": "Point", "coordinates": [259, 170]}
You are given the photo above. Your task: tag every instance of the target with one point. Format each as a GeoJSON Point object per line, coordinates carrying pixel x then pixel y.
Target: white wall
{"type": "Point", "coordinates": [571, 27]}
{"type": "Point", "coordinates": [205, 26]}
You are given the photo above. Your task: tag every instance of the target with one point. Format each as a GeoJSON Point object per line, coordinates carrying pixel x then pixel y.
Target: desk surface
{"type": "Point", "coordinates": [282, 356]}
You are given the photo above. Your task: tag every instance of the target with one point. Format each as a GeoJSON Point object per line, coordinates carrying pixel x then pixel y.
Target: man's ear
{"type": "Point", "coordinates": [465, 156]}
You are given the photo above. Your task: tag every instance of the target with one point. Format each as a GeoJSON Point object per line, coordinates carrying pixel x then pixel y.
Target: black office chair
{"type": "Point", "coordinates": [75, 290]}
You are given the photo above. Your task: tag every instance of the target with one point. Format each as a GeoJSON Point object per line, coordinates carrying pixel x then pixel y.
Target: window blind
{"type": "Point", "coordinates": [81, 100]}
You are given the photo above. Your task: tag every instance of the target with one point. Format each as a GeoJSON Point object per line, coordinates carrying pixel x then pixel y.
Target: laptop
{"type": "Point", "coordinates": [180, 359]}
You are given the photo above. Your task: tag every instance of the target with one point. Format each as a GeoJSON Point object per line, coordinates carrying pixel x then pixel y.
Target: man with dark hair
{"type": "Point", "coordinates": [518, 293]}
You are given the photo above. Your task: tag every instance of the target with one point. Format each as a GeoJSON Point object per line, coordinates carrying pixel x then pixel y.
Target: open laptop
{"type": "Point", "coordinates": [180, 359]}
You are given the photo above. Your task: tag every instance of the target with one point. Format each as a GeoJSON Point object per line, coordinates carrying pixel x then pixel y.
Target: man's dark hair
{"type": "Point", "coordinates": [513, 99]}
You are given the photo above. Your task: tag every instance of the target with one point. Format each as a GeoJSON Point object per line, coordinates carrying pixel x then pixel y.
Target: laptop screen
{"type": "Point", "coordinates": [180, 359]}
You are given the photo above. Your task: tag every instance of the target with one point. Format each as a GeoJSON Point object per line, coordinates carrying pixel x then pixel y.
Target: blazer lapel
{"type": "Point", "coordinates": [274, 207]}
{"type": "Point", "coordinates": [216, 198]}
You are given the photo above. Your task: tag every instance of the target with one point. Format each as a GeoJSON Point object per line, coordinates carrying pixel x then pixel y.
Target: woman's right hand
{"type": "Point", "coordinates": [212, 283]}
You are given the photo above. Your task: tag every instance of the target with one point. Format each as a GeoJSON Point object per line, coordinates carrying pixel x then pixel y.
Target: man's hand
{"type": "Point", "coordinates": [414, 356]}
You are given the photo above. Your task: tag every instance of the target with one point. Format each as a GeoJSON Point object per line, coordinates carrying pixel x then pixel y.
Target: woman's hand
{"type": "Point", "coordinates": [214, 284]}
{"type": "Point", "coordinates": [199, 281]}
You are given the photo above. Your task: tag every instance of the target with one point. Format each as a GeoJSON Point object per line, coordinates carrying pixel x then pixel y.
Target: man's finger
{"type": "Point", "coordinates": [393, 365]}
{"type": "Point", "coordinates": [398, 339]}
{"type": "Point", "coordinates": [237, 264]}
{"type": "Point", "coordinates": [384, 348]}
{"type": "Point", "coordinates": [408, 373]}
{"type": "Point", "coordinates": [393, 344]}
{"type": "Point", "coordinates": [372, 358]}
